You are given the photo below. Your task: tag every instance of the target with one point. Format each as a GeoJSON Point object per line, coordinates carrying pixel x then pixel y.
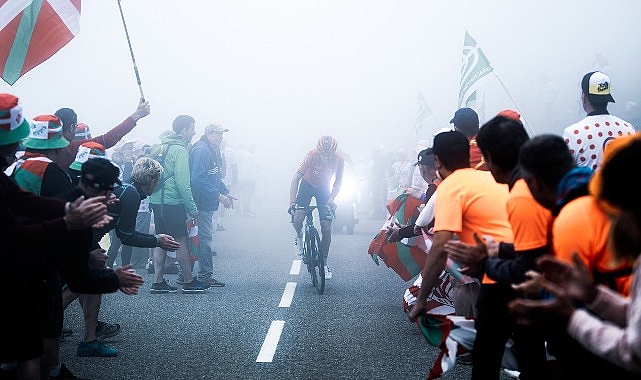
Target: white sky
{"type": "Point", "coordinates": [281, 73]}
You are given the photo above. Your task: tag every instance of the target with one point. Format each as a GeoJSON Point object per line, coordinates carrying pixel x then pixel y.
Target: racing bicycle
{"type": "Point", "coordinates": [312, 256]}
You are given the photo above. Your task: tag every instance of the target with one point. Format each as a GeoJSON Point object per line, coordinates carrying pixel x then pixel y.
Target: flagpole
{"type": "Point", "coordinates": [525, 122]}
{"type": "Point", "coordinates": [142, 96]}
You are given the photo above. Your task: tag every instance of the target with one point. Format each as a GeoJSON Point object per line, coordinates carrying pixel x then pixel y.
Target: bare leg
{"type": "Point", "coordinates": [90, 308]}
{"type": "Point", "coordinates": [68, 297]}
{"type": "Point", "coordinates": [326, 238]}
{"type": "Point", "coordinates": [182, 255]}
{"type": "Point", "coordinates": [159, 264]}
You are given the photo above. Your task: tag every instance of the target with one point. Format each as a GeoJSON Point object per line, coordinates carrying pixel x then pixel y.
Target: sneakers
{"type": "Point", "coordinates": [298, 244]}
{"type": "Point", "coordinates": [95, 348]}
{"type": "Point", "coordinates": [162, 287]}
{"type": "Point", "coordinates": [464, 359]}
{"type": "Point", "coordinates": [65, 374]}
{"type": "Point", "coordinates": [212, 283]}
{"type": "Point", "coordinates": [328, 273]}
{"type": "Point", "coordinates": [194, 286]}
{"type": "Point", "coordinates": [106, 330]}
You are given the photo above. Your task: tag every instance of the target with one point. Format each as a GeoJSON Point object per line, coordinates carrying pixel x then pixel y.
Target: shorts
{"type": "Point", "coordinates": [50, 306]}
{"type": "Point", "coordinates": [304, 198]}
{"type": "Point", "coordinates": [172, 221]}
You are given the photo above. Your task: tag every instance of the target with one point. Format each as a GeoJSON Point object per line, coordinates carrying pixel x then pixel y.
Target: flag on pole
{"type": "Point", "coordinates": [423, 111]}
{"type": "Point", "coordinates": [476, 67]}
{"type": "Point", "coordinates": [32, 31]}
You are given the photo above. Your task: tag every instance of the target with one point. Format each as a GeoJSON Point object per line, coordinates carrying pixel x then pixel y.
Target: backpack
{"type": "Point", "coordinates": [159, 152]}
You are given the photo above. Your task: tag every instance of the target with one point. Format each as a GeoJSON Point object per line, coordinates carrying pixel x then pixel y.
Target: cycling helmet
{"type": "Point", "coordinates": [326, 144]}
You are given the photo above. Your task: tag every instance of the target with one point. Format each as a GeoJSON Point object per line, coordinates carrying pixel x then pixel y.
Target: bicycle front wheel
{"type": "Point", "coordinates": [317, 262]}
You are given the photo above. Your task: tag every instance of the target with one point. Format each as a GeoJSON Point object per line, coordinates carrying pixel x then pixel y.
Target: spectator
{"type": "Point", "coordinates": [172, 204]}
{"type": "Point", "coordinates": [86, 150]}
{"type": "Point", "coordinates": [205, 162]}
{"type": "Point", "coordinates": [469, 201]}
{"type": "Point", "coordinates": [602, 321]}
{"type": "Point", "coordinates": [466, 121]}
{"type": "Point", "coordinates": [70, 123]}
{"type": "Point", "coordinates": [580, 226]}
{"type": "Point", "coordinates": [49, 221]}
{"type": "Point", "coordinates": [588, 137]}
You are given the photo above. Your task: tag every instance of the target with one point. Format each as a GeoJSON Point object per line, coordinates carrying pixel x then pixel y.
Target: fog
{"type": "Point", "coordinates": [281, 73]}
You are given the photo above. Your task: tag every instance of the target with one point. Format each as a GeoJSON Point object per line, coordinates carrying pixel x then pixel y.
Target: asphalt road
{"type": "Point", "coordinates": [355, 330]}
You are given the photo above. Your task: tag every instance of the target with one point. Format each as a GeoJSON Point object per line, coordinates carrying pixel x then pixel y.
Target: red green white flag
{"type": "Point", "coordinates": [31, 31]}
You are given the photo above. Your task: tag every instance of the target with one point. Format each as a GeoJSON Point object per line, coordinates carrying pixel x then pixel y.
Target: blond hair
{"type": "Point", "coordinates": [146, 170]}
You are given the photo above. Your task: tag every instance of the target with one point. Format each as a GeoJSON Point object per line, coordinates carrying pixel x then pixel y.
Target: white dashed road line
{"type": "Point", "coordinates": [288, 295]}
{"type": "Point", "coordinates": [295, 267]}
{"type": "Point", "coordinates": [266, 354]}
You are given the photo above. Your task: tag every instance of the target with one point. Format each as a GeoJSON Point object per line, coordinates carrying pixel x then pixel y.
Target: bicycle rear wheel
{"type": "Point", "coordinates": [317, 262]}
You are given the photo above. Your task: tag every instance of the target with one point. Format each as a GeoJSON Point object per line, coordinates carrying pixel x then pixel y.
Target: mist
{"type": "Point", "coordinates": [279, 74]}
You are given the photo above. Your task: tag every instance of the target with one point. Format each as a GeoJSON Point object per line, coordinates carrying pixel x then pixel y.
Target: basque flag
{"type": "Point", "coordinates": [31, 31]}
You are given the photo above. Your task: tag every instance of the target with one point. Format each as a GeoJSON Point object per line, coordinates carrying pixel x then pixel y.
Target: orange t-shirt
{"type": "Point", "coordinates": [529, 220]}
{"type": "Point", "coordinates": [582, 227]}
{"type": "Point", "coordinates": [472, 201]}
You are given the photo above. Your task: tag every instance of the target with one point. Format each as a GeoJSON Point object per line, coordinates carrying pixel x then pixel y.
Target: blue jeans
{"type": "Point", "coordinates": [206, 229]}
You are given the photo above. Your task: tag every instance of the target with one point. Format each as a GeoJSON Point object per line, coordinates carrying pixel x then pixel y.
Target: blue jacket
{"type": "Point", "coordinates": [205, 163]}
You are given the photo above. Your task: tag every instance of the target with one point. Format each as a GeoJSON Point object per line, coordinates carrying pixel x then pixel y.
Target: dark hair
{"type": "Point", "coordinates": [182, 122]}
{"type": "Point", "coordinates": [598, 106]}
{"type": "Point", "coordinates": [469, 129]}
{"type": "Point", "coordinates": [453, 149]}
{"type": "Point", "coordinates": [68, 118]}
{"type": "Point", "coordinates": [501, 139]}
{"type": "Point", "coordinates": [546, 157]}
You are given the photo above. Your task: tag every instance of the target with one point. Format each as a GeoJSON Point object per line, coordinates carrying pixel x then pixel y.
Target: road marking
{"type": "Point", "coordinates": [288, 295]}
{"type": "Point", "coordinates": [295, 267]}
{"type": "Point", "coordinates": [268, 349]}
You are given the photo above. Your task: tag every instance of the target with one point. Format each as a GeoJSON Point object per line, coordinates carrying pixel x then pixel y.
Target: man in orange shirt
{"type": "Point", "coordinates": [469, 201]}
{"type": "Point", "coordinates": [500, 140]}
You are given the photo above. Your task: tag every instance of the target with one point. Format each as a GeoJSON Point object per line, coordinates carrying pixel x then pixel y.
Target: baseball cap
{"type": "Point", "coordinates": [13, 126]}
{"type": "Point", "coordinates": [464, 116]}
{"type": "Point", "coordinates": [103, 173]}
{"type": "Point", "coordinates": [425, 157]}
{"type": "Point", "coordinates": [596, 86]}
{"type": "Point", "coordinates": [215, 128]}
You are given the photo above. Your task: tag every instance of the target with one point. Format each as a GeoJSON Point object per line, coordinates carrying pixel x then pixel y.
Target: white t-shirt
{"type": "Point", "coordinates": [587, 138]}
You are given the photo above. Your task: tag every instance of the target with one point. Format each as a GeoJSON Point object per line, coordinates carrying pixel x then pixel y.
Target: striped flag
{"type": "Point", "coordinates": [32, 31]}
{"type": "Point", "coordinates": [476, 66]}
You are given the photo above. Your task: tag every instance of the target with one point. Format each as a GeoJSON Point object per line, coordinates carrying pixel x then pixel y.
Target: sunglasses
{"type": "Point", "coordinates": [101, 186]}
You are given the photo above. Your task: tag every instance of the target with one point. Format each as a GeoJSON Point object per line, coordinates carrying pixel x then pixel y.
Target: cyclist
{"type": "Point", "coordinates": [313, 179]}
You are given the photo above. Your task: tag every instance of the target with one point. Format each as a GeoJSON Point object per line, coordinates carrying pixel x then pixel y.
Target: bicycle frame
{"type": "Point", "coordinates": [312, 255]}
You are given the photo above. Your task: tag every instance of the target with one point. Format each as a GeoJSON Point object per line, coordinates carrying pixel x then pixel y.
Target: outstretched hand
{"type": "Point", "coordinates": [129, 282]}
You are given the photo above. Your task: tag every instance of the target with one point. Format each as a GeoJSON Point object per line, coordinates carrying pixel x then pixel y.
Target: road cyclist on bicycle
{"type": "Point", "coordinates": [313, 179]}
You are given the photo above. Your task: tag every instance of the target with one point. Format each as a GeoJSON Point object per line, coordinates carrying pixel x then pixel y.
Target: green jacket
{"type": "Point", "coordinates": [176, 174]}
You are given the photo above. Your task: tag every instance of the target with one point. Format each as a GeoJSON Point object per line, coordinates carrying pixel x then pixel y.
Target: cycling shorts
{"type": "Point", "coordinates": [304, 198]}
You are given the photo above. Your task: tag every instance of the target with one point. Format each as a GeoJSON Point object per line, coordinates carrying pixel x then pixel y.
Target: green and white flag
{"type": "Point", "coordinates": [475, 68]}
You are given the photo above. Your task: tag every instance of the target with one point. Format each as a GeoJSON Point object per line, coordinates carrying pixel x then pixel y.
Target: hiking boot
{"type": "Point", "coordinates": [212, 283]}
{"type": "Point", "coordinates": [95, 348]}
{"type": "Point", "coordinates": [65, 374]}
{"type": "Point", "coordinates": [298, 245]}
{"type": "Point", "coordinates": [194, 286]}
{"type": "Point", "coordinates": [106, 330]}
{"type": "Point", "coordinates": [162, 287]}
{"type": "Point", "coordinates": [328, 273]}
